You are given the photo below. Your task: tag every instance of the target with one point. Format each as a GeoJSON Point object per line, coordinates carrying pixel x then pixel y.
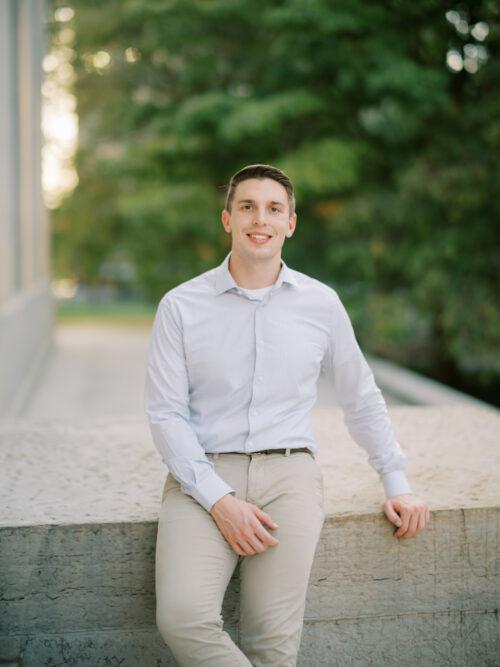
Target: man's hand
{"type": "Point", "coordinates": [409, 512]}
{"type": "Point", "coordinates": [240, 523]}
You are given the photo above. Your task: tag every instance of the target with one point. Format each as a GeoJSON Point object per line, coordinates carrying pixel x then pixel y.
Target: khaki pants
{"type": "Point", "coordinates": [194, 564]}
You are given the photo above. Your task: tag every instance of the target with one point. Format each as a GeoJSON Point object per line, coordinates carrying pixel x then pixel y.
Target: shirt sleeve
{"type": "Point", "coordinates": [365, 410]}
{"type": "Point", "coordinates": [166, 403]}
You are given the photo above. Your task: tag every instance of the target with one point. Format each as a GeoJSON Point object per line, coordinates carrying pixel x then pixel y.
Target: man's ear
{"type": "Point", "coordinates": [225, 217]}
{"type": "Point", "coordinates": [292, 224]}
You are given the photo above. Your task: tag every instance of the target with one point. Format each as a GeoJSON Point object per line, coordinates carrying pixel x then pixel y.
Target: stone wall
{"type": "Point", "coordinates": [78, 528]}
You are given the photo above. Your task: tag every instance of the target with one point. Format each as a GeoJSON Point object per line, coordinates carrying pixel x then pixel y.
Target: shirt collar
{"type": "Point", "coordinates": [224, 281]}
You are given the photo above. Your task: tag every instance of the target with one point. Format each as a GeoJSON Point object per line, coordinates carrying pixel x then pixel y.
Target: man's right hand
{"type": "Point", "coordinates": [240, 523]}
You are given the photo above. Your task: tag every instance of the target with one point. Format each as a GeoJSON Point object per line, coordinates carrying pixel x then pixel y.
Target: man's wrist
{"type": "Point", "coordinates": [210, 490]}
{"type": "Point", "coordinates": [395, 483]}
{"type": "Point", "coordinates": [223, 500]}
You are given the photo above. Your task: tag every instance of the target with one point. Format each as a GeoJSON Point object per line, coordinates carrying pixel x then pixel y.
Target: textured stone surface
{"type": "Point", "coordinates": [80, 578]}
{"type": "Point", "coordinates": [96, 471]}
{"type": "Point", "coordinates": [130, 647]}
{"type": "Point", "coordinates": [71, 591]}
{"type": "Point", "coordinates": [89, 577]}
{"type": "Point", "coordinates": [453, 457]}
{"type": "Point", "coordinates": [60, 472]}
{"type": "Point", "coordinates": [79, 504]}
{"type": "Point", "coordinates": [361, 570]}
{"type": "Point", "coordinates": [447, 639]}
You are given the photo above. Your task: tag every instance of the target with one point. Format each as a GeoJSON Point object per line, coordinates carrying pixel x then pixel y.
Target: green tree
{"type": "Point", "coordinates": [392, 150]}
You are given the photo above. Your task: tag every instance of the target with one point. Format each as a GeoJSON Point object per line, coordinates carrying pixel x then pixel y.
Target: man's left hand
{"type": "Point", "coordinates": [409, 512]}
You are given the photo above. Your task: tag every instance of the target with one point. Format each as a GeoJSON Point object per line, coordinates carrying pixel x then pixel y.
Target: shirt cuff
{"type": "Point", "coordinates": [211, 489]}
{"type": "Point", "coordinates": [395, 483]}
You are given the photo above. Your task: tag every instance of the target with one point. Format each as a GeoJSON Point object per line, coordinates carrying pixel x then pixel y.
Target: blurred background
{"type": "Point", "coordinates": [384, 115]}
{"type": "Point", "coordinates": [121, 123]}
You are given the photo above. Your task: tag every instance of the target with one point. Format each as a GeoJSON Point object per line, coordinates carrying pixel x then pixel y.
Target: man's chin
{"type": "Point", "coordinates": [261, 254]}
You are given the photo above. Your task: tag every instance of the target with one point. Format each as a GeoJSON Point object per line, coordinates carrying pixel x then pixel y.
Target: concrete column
{"type": "Point", "coordinates": [10, 270]}
{"type": "Point", "coordinates": [26, 307]}
{"type": "Point", "coordinates": [29, 137]}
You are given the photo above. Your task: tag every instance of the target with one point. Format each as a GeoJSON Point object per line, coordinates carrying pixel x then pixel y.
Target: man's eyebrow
{"type": "Point", "coordinates": [251, 201]}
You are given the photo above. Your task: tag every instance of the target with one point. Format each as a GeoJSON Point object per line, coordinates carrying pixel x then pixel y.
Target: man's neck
{"type": "Point", "coordinates": [255, 275]}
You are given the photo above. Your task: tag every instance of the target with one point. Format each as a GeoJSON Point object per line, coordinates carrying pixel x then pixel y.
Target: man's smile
{"type": "Point", "coordinates": [259, 239]}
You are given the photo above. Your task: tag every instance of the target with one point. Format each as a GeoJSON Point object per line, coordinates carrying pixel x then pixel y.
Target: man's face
{"type": "Point", "coordinates": [259, 220]}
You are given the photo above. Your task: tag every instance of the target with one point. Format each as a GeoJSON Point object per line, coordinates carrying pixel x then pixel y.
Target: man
{"type": "Point", "coordinates": [234, 359]}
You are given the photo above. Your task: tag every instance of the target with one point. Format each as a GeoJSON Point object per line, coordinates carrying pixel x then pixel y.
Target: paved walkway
{"type": "Point", "coordinates": [96, 371]}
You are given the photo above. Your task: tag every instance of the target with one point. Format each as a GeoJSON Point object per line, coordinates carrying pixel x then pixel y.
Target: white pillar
{"type": "Point", "coordinates": [10, 251]}
{"type": "Point", "coordinates": [26, 305]}
{"type": "Point", "coordinates": [29, 86]}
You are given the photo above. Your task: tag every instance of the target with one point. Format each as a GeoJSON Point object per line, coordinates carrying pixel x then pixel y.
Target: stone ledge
{"type": "Point", "coordinates": [416, 389]}
{"type": "Point", "coordinates": [89, 577]}
{"type": "Point", "coordinates": [86, 592]}
{"type": "Point", "coordinates": [78, 530]}
{"type": "Point", "coordinates": [108, 470]}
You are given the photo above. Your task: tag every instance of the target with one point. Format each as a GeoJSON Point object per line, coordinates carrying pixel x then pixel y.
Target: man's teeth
{"type": "Point", "coordinates": [256, 236]}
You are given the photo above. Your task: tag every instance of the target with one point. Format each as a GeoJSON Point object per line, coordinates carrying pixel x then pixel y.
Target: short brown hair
{"type": "Point", "coordinates": [260, 171]}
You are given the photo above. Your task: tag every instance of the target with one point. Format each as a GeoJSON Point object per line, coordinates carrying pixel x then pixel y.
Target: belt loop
{"type": "Point", "coordinates": [216, 455]}
{"type": "Point", "coordinates": [287, 451]}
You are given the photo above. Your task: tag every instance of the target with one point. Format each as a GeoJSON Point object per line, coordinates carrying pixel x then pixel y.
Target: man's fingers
{"type": "Point", "coordinates": [265, 518]}
{"type": "Point", "coordinates": [248, 550]}
{"type": "Point", "coordinates": [391, 514]}
{"type": "Point", "coordinates": [257, 544]}
{"type": "Point", "coordinates": [258, 537]}
{"type": "Point", "coordinates": [266, 537]}
{"type": "Point", "coordinates": [244, 531]}
{"type": "Point", "coordinates": [421, 522]}
{"type": "Point", "coordinates": [236, 547]}
{"type": "Point", "coordinates": [414, 515]}
{"type": "Point", "coordinates": [234, 544]}
{"type": "Point", "coordinates": [405, 520]}
{"type": "Point", "coordinates": [412, 525]}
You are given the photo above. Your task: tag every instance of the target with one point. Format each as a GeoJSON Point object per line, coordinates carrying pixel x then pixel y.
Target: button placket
{"type": "Point", "coordinates": [249, 443]}
{"type": "Point", "coordinates": [253, 410]}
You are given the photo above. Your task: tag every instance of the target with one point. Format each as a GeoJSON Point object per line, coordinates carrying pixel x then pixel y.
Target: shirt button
{"type": "Point", "coordinates": [255, 412]}
{"type": "Point", "coordinates": [260, 378]}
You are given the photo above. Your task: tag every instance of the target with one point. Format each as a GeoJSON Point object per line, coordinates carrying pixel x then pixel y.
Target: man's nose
{"type": "Point", "coordinates": [260, 216]}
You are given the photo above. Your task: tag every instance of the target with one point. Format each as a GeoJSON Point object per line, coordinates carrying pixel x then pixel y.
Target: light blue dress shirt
{"type": "Point", "coordinates": [230, 372]}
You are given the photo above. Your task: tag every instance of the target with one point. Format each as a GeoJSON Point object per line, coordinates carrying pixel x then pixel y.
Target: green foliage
{"type": "Point", "coordinates": [178, 229]}
{"type": "Point", "coordinates": [323, 167]}
{"type": "Point", "coordinates": [393, 154]}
